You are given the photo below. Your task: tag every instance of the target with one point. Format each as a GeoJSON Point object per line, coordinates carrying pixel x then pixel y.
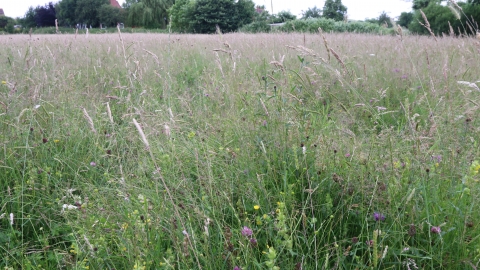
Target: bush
{"type": "Point", "coordinates": [256, 27]}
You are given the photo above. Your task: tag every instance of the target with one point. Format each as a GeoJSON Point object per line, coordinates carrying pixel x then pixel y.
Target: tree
{"type": "Point", "coordinates": [439, 18]}
{"type": "Point", "coordinates": [46, 15]}
{"type": "Point", "coordinates": [312, 13]}
{"type": "Point", "coordinates": [66, 12]}
{"type": "Point", "coordinates": [28, 19]}
{"type": "Point", "coordinates": [244, 12]}
{"type": "Point", "coordinates": [405, 19]}
{"type": "Point", "coordinates": [181, 14]}
{"type": "Point", "coordinates": [334, 9]}
{"type": "Point", "coordinates": [86, 11]}
{"type": "Point", "coordinates": [385, 19]}
{"type": "Point", "coordinates": [211, 13]}
{"type": "Point", "coordinates": [110, 15]}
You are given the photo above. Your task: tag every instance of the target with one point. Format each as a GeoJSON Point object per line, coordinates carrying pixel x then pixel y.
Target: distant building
{"type": "Point", "coordinates": [3, 13]}
{"type": "Point", "coordinates": [115, 3]}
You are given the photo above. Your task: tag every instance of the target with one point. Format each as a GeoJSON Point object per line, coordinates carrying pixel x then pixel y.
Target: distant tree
{"type": "Point", "coordinates": [28, 19]}
{"type": "Point", "coordinates": [312, 13]}
{"type": "Point", "coordinates": [86, 11]}
{"type": "Point", "coordinates": [285, 16]}
{"type": "Point", "coordinates": [474, 2]}
{"type": "Point", "coordinates": [148, 13]}
{"type": "Point", "coordinates": [110, 15]}
{"type": "Point", "coordinates": [4, 21]}
{"type": "Point", "coordinates": [405, 19]}
{"type": "Point", "coordinates": [334, 9]}
{"type": "Point", "coordinates": [439, 18]}
{"type": "Point", "coordinates": [384, 19]}
{"type": "Point", "coordinates": [46, 15]}
{"type": "Point", "coordinates": [181, 14]}
{"type": "Point", "coordinates": [65, 10]}
{"type": "Point", "coordinates": [419, 4]}
{"type": "Point", "coordinates": [244, 12]}
{"type": "Point", "coordinates": [210, 13]}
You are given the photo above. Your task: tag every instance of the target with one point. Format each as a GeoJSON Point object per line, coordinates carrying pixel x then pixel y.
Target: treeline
{"type": "Point", "coordinates": [204, 16]}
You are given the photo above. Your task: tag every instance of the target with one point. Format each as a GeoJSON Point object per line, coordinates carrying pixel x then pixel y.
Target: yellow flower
{"type": "Point", "coordinates": [256, 207]}
{"type": "Point", "coordinates": [4, 82]}
{"type": "Point", "coordinates": [56, 141]}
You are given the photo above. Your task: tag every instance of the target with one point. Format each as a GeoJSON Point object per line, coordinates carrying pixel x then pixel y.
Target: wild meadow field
{"type": "Point", "coordinates": [239, 151]}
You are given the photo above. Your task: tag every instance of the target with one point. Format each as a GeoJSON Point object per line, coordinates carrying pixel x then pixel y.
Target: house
{"type": "Point", "coordinates": [115, 3]}
{"type": "Point", "coordinates": [1, 12]}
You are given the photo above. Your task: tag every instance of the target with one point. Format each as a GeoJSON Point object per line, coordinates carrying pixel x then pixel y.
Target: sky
{"type": "Point", "coordinates": [357, 9]}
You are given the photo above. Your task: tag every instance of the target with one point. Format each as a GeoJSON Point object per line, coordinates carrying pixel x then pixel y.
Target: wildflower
{"type": "Point", "coordinates": [347, 155]}
{"type": "Point", "coordinates": [369, 243]}
{"type": "Point", "coordinates": [379, 108]}
{"type": "Point", "coordinates": [11, 218]}
{"type": "Point", "coordinates": [56, 141]}
{"type": "Point", "coordinates": [237, 268]}
{"type": "Point", "coordinates": [44, 140]}
{"type": "Point", "coordinates": [93, 164]}
{"type": "Point", "coordinates": [436, 229]}
{"type": "Point", "coordinates": [378, 216]}
{"type": "Point", "coordinates": [404, 77]}
{"type": "Point", "coordinates": [4, 82]}
{"type": "Point", "coordinates": [437, 158]}
{"type": "Point", "coordinates": [253, 242]}
{"type": "Point", "coordinates": [246, 231]}
{"type": "Point", "coordinates": [256, 207]}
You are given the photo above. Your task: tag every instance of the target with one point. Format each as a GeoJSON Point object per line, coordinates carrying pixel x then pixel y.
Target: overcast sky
{"type": "Point", "coordinates": [357, 9]}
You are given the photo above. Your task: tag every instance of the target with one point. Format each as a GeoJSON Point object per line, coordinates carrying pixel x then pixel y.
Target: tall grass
{"type": "Point", "coordinates": [238, 151]}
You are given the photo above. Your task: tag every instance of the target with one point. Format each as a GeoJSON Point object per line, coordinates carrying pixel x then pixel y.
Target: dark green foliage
{"type": "Point", "coordinates": [440, 16]}
{"type": "Point", "coordinates": [283, 16]}
{"type": "Point", "coordinates": [312, 13]}
{"type": "Point", "coordinates": [110, 15]}
{"type": "Point", "coordinates": [4, 21]}
{"type": "Point", "coordinates": [210, 13]}
{"type": "Point", "coordinates": [418, 4]}
{"type": "Point", "coordinates": [405, 19]}
{"type": "Point", "coordinates": [86, 11]}
{"type": "Point", "coordinates": [181, 13]}
{"type": "Point", "coordinates": [204, 16]}
{"type": "Point", "coordinates": [28, 20]}
{"type": "Point", "coordinates": [334, 9]}
{"type": "Point", "coordinates": [66, 12]}
{"type": "Point", "coordinates": [245, 11]}
{"type": "Point", "coordinates": [385, 19]}
{"type": "Point", "coordinates": [46, 15]}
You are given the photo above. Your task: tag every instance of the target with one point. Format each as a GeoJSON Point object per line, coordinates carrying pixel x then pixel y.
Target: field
{"type": "Point", "coordinates": [239, 151]}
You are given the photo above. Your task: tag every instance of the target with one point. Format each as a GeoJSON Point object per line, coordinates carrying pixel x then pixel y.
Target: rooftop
{"type": "Point", "coordinates": [115, 3]}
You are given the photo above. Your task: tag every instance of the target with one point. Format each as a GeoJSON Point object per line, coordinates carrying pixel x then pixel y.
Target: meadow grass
{"type": "Point", "coordinates": [239, 151]}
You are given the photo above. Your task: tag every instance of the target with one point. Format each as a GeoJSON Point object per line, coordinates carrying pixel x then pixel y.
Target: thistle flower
{"type": "Point", "coordinates": [436, 229]}
{"type": "Point", "coordinates": [246, 231]}
{"type": "Point", "coordinates": [378, 216]}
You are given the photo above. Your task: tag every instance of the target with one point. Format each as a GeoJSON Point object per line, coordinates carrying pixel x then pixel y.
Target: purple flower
{"type": "Point", "coordinates": [253, 242]}
{"type": "Point", "coordinates": [347, 155]}
{"type": "Point", "coordinates": [404, 77]}
{"type": "Point", "coordinates": [438, 158]}
{"type": "Point", "coordinates": [436, 230]}
{"type": "Point", "coordinates": [369, 243]}
{"type": "Point", "coordinates": [93, 164]}
{"type": "Point", "coordinates": [237, 268]}
{"type": "Point", "coordinates": [247, 231]}
{"type": "Point", "coordinates": [378, 216]}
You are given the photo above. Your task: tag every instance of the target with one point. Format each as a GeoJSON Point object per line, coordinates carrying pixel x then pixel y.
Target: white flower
{"type": "Point", "coordinates": [68, 207]}
{"type": "Point", "coordinates": [36, 106]}
{"type": "Point", "coordinates": [11, 218]}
